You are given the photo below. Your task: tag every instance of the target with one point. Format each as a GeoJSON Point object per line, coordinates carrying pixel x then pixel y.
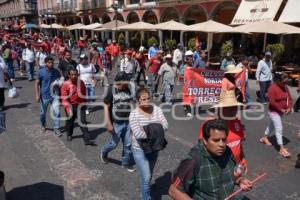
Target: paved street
{"type": "Point", "coordinates": [44, 167]}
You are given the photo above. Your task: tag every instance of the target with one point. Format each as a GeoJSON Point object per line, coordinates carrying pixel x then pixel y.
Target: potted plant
{"type": "Point", "coordinates": [227, 47]}
{"type": "Point", "coordinates": [192, 44]}
{"type": "Point", "coordinates": [170, 44]}
{"type": "Point", "coordinates": [152, 40]}
{"type": "Point", "coordinates": [277, 51]}
{"type": "Point", "coordinates": [121, 41]}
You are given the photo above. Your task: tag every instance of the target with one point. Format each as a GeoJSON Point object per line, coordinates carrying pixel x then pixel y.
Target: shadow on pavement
{"type": "Point", "coordinates": [38, 191]}
{"type": "Point", "coordinates": [161, 186]}
{"type": "Point", "coordinates": [21, 105]}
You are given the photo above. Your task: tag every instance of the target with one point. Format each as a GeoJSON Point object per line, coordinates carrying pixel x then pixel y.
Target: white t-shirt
{"type": "Point", "coordinates": [41, 56]}
{"type": "Point", "coordinates": [86, 73]}
{"type": "Point", "coordinates": [28, 55]}
{"type": "Point", "coordinates": [3, 69]}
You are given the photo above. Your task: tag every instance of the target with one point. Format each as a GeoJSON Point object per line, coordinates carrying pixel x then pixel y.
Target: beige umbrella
{"type": "Point", "coordinates": [57, 26]}
{"type": "Point", "coordinates": [272, 27]}
{"type": "Point", "coordinates": [211, 26]}
{"type": "Point", "coordinates": [112, 25]}
{"type": "Point", "coordinates": [91, 27]}
{"type": "Point", "coordinates": [45, 26]}
{"type": "Point", "coordinates": [75, 27]}
{"type": "Point", "coordinates": [171, 26]}
{"type": "Point", "coordinates": [138, 26]}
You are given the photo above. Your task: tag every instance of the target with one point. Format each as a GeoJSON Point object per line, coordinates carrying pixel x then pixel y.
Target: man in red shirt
{"type": "Point", "coordinates": [72, 97]}
{"type": "Point", "coordinates": [153, 68]}
{"type": "Point", "coordinates": [114, 51]}
{"type": "Point", "coordinates": [227, 110]}
{"type": "Point", "coordinates": [81, 45]}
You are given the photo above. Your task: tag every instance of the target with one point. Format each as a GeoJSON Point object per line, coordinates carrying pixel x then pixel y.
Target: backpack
{"type": "Point", "coordinates": [195, 156]}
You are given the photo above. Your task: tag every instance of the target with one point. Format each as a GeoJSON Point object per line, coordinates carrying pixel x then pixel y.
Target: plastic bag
{"type": "Point", "coordinates": [12, 92]}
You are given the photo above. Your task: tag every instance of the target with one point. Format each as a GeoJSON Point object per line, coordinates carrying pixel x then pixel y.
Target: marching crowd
{"type": "Point", "coordinates": [212, 168]}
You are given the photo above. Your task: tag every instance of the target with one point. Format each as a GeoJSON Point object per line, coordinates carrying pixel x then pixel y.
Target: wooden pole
{"type": "Point", "coordinates": [265, 42]}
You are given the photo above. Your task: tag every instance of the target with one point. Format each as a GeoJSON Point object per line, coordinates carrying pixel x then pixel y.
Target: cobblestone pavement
{"type": "Point", "coordinates": [44, 167]}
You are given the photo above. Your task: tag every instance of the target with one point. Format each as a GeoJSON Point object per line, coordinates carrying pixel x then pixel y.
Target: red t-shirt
{"type": "Point", "coordinates": [234, 139]}
{"type": "Point", "coordinates": [154, 65]}
{"type": "Point", "coordinates": [114, 50]}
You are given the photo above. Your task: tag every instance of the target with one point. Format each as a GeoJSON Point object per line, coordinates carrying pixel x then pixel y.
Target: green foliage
{"type": "Point", "coordinates": [277, 51]}
{"type": "Point", "coordinates": [121, 40]}
{"type": "Point", "coordinates": [135, 41]}
{"type": "Point", "coordinates": [192, 44]}
{"type": "Point", "coordinates": [227, 47]}
{"type": "Point", "coordinates": [170, 44]}
{"type": "Point", "coordinates": [152, 40]}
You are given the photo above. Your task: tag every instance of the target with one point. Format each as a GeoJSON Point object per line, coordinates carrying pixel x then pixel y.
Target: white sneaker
{"type": "Point", "coordinates": [189, 114]}
{"type": "Point", "coordinates": [87, 112]}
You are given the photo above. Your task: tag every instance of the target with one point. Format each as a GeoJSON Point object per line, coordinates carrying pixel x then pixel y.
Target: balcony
{"type": "Point", "coordinates": [85, 5]}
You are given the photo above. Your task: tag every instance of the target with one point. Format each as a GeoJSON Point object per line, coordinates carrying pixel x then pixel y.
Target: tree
{"type": "Point", "coordinates": [227, 47]}
{"type": "Point", "coordinates": [152, 40]}
{"type": "Point", "coordinates": [192, 44]}
{"type": "Point", "coordinates": [121, 40]}
{"type": "Point", "coordinates": [277, 51]}
{"type": "Point", "coordinates": [170, 44]}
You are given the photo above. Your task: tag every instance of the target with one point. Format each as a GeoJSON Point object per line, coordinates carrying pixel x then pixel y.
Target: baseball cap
{"type": "Point", "coordinates": [189, 53]}
{"type": "Point", "coordinates": [268, 53]}
{"type": "Point", "coordinates": [83, 56]}
{"type": "Point", "coordinates": [168, 56]}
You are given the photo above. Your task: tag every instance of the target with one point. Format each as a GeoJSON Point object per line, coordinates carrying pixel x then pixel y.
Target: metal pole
{"type": "Point", "coordinates": [116, 24]}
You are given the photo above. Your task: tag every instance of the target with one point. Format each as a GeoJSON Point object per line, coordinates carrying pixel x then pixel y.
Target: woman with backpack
{"type": "Point", "coordinates": [140, 120]}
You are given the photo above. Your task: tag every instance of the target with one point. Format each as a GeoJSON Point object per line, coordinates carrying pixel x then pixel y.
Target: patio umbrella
{"type": "Point", "coordinates": [91, 27]}
{"type": "Point", "coordinates": [29, 26]}
{"type": "Point", "coordinates": [172, 26]}
{"type": "Point", "coordinates": [45, 26]}
{"type": "Point", "coordinates": [112, 25]}
{"type": "Point", "coordinates": [272, 27]}
{"type": "Point", "coordinates": [57, 26]}
{"type": "Point", "coordinates": [75, 27]}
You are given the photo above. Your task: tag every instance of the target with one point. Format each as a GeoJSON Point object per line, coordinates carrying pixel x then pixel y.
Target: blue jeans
{"type": "Point", "coordinates": [55, 110]}
{"type": "Point", "coordinates": [10, 68]}
{"type": "Point", "coordinates": [29, 69]}
{"type": "Point", "coordinates": [121, 131]}
{"type": "Point", "coordinates": [145, 164]}
{"type": "Point", "coordinates": [264, 86]}
{"type": "Point", "coordinates": [248, 96]}
{"type": "Point", "coordinates": [90, 91]}
{"type": "Point", "coordinates": [152, 83]}
{"type": "Point", "coordinates": [167, 96]}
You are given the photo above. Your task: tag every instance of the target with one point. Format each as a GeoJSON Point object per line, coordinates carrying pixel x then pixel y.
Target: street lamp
{"type": "Point", "coordinates": [115, 7]}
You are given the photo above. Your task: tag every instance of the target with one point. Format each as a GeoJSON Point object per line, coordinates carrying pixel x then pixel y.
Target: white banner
{"type": "Point", "coordinates": [251, 11]}
{"type": "Point", "coordinates": [290, 13]}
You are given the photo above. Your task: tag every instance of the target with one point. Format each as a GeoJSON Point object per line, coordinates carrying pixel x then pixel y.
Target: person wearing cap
{"type": "Point", "coordinates": [114, 50]}
{"type": "Point", "coordinates": [188, 64]}
{"type": "Point", "coordinates": [201, 61]}
{"type": "Point", "coordinates": [73, 94]}
{"type": "Point", "coordinates": [280, 104]}
{"type": "Point", "coordinates": [227, 109]}
{"type": "Point", "coordinates": [264, 76]}
{"type": "Point", "coordinates": [28, 57]}
{"type": "Point", "coordinates": [153, 68]}
{"type": "Point", "coordinates": [228, 60]}
{"type": "Point", "coordinates": [152, 51]}
{"type": "Point", "coordinates": [178, 60]}
{"type": "Point", "coordinates": [141, 58]}
{"type": "Point", "coordinates": [87, 73]}
{"type": "Point", "coordinates": [117, 108]}
{"type": "Point", "coordinates": [167, 72]}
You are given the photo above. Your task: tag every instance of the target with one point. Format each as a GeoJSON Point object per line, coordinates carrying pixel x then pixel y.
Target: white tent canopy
{"type": "Point", "coordinates": [171, 26]}
{"type": "Point", "coordinates": [75, 26]}
{"type": "Point", "coordinates": [211, 26]}
{"type": "Point", "coordinates": [57, 26]}
{"type": "Point", "coordinates": [251, 11]}
{"type": "Point", "coordinates": [138, 26]}
{"type": "Point", "coordinates": [92, 26]}
{"type": "Point", "coordinates": [45, 26]}
{"type": "Point", "coordinates": [290, 13]}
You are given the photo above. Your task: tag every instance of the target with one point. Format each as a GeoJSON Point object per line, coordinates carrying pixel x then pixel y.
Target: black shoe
{"type": "Point", "coordinates": [69, 138]}
{"type": "Point", "coordinates": [89, 142]}
{"type": "Point", "coordinates": [130, 169]}
{"type": "Point", "coordinates": [103, 158]}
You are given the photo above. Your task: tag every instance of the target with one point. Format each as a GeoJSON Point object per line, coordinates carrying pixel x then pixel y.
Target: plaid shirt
{"type": "Point", "coordinates": [214, 179]}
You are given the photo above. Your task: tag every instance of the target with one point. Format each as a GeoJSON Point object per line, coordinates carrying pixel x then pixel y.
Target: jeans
{"type": "Point", "coordinates": [276, 124]}
{"type": "Point", "coordinates": [264, 86]}
{"type": "Point", "coordinates": [90, 91]}
{"type": "Point", "coordinates": [10, 69]}
{"type": "Point", "coordinates": [145, 164]}
{"type": "Point", "coordinates": [167, 96]}
{"type": "Point", "coordinates": [152, 82]}
{"type": "Point", "coordinates": [70, 122]}
{"type": "Point", "coordinates": [29, 69]}
{"type": "Point", "coordinates": [248, 96]}
{"type": "Point", "coordinates": [2, 97]}
{"type": "Point", "coordinates": [54, 109]}
{"type": "Point", "coordinates": [81, 50]}
{"type": "Point", "coordinates": [121, 131]}
{"type": "Point", "coordinates": [141, 72]}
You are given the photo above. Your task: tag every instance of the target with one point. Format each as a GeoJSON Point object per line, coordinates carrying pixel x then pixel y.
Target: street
{"type": "Point", "coordinates": [46, 167]}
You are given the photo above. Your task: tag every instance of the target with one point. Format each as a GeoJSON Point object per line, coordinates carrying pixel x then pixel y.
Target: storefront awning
{"type": "Point", "coordinates": [251, 11]}
{"type": "Point", "coordinates": [290, 13]}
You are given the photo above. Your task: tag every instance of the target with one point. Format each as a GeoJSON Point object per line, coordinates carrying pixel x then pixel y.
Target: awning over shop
{"type": "Point", "coordinates": [290, 13]}
{"type": "Point", "coordinates": [251, 11]}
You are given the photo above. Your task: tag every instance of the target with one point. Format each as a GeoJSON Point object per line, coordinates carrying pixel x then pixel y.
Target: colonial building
{"type": "Point", "coordinates": [18, 11]}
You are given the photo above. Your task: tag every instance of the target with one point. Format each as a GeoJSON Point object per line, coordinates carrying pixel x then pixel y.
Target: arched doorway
{"type": "Point", "coordinates": [86, 20]}
{"type": "Point", "coordinates": [95, 19]}
{"type": "Point", "coordinates": [150, 17]}
{"type": "Point", "coordinates": [132, 18]}
{"type": "Point", "coordinates": [224, 13]}
{"type": "Point", "coordinates": [105, 18]}
{"type": "Point", "coordinates": [119, 17]}
{"type": "Point", "coordinates": [168, 14]}
{"type": "Point", "coordinates": [193, 15]}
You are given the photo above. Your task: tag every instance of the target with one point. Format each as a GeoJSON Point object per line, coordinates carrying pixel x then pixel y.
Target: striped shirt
{"type": "Point", "coordinates": [137, 120]}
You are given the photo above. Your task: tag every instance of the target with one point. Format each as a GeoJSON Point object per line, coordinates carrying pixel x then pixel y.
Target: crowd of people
{"type": "Point", "coordinates": [212, 168]}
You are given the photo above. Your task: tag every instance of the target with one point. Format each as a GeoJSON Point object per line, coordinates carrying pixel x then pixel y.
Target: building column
{"type": "Point", "coordinates": [181, 20]}
{"type": "Point", "coordinates": [127, 41]}
{"type": "Point", "coordinates": [82, 21]}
